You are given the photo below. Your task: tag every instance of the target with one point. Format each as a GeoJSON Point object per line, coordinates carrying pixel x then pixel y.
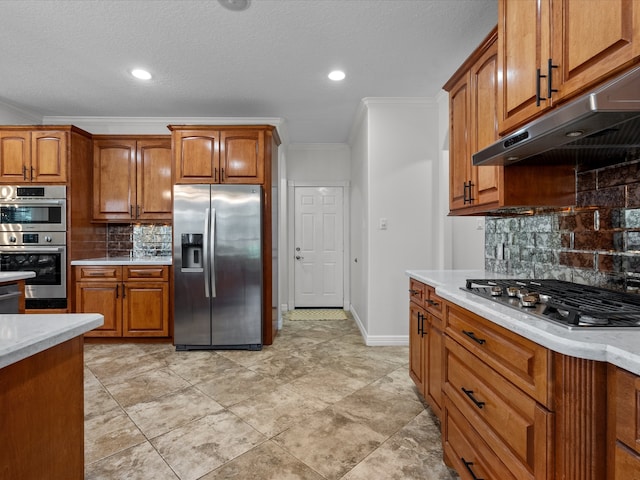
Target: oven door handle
{"type": "Point", "coordinates": [31, 249]}
{"type": "Point", "coordinates": [7, 296]}
{"type": "Point", "coordinates": [31, 203]}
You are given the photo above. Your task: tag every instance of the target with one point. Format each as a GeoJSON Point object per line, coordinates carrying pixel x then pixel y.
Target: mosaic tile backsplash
{"type": "Point", "coordinates": [139, 240]}
{"type": "Point", "coordinates": [597, 242]}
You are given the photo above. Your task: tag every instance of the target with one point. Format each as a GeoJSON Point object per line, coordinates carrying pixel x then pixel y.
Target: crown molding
{"type": "Point", "coordinates": [158, 125]}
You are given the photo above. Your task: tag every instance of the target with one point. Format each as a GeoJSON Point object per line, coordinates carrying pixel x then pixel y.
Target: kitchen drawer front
{"type": "Point", "coordinates": [628, 409]}
{"type": "Point", "coordinates": [467, 452]}
{"type": "Point", "coordinates": [145, 273]}
{"type": "Point", "coordinates": [627, 463]}
{"type": "Point", "coordinates": [433, 303]}
{"type": "Point", "coordinates": [417, 292]}
{"type": "Point", "coordinates": [515, 426]}
{"type": "Point", "coordinates": [523, 362]}
{"type": "Point", "coordinates": [98, 273]}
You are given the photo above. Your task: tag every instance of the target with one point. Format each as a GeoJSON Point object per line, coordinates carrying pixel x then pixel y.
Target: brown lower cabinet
{"type": "Point", "coordinates": [42, 421]}
{"type": "Point", "coordinates": [513, 409]}
{"type": "Point", "coordinates": [426, 348]}
{"type": "Point", "coordinates": [624, 424]}
{"type": "Point", "coordinates": [134, 300]}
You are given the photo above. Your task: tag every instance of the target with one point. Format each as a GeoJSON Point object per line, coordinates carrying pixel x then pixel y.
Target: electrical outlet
{"type": "Point", "coordinates": [382, 224]}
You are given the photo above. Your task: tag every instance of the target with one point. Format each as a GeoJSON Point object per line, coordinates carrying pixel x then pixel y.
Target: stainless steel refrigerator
{"type": "Point", "coordinates": [217, 259]}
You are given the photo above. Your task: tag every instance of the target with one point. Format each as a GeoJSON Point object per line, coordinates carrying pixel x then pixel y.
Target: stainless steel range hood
{"type": "Point", "coordinates": [603, 125]}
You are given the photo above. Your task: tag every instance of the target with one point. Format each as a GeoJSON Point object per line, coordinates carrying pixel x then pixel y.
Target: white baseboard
{"type": "Point", "coordinates": [379, 340]}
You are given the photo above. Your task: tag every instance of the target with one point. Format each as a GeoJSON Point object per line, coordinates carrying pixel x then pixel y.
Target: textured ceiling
{"type": "Point", "coordinates": [72, 57]}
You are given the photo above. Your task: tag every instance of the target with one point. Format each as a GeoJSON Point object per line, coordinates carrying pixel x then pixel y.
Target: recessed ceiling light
{"type": "Point", "coordinates": [337, 75]}
{"type": "Point", "coordinates": [235, 5]}
{"type": "Point", "coordinates": [141, 74]}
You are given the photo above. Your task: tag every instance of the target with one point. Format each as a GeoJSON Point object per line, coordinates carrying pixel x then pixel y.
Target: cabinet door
{"type": "Point", "coordinates": [484, 124]}
{"type": "Point", "coordinates": [627, 463]}
{"type": "Point", "coordinates": [153, 177]}
{"type": "Point", "coordinates": [197, 156]}
{"type": "Point", "coordinates": [523, 47]}
{"type": "Point", "coordinates": [627, 408]}
{"type": "Point", "coordinates": [242, 156]}
{"type": "Point", "coordinates": [417, 324]}
{"type": "Point", "coordinates": [592, 39]}
{"type": "Point", "coordinates": [48, 157]}
{"type": "Point", "coordinates": [114, 179]}
{"type": "Point", "coordinates": [435, 367]}
{"type": "Point", "coordinates": [459, 148]}
{"type": "Point", "coordinates": [146, 309]}
{"type": "Point", "coordinates": [103, 298]}
{"type": "Point", "coordinates": [15, 155]}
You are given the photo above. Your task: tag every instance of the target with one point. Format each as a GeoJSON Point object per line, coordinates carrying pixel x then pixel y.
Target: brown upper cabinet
{"type": "Point", "coordinates": [473, 125]}
{"type": "Point", "coordinates": [131, 178]}
{"type": "Point", "coordinates": [33, 156]}
{"type": "Point", "coordinates": [552, 50]}
{"type": "Point", "coordinates": [219, 154]}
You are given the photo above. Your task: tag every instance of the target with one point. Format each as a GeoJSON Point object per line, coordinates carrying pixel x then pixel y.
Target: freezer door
{"type": "Point", "coordinates": [192, 306]}
{"type": "Point", "coordinates": [237, 266]}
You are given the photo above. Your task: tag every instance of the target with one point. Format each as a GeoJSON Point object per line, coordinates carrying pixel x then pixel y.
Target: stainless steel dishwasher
{"type": "Point", "coordinates": [9, 298]}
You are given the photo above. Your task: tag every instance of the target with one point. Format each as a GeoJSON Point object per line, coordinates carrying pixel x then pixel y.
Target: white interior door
{"type": "Point", "coordinates": [318, 247]}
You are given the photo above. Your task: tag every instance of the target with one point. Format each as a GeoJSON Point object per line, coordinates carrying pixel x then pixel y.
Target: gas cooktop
{"type": "Point", "coordinates": [568, 304]}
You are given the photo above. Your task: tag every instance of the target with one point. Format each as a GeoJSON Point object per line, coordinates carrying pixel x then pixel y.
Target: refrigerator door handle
{"type": "Point", "coordinates": [212, 240]}
{"type": "Point", "coordinates": [205, 253]}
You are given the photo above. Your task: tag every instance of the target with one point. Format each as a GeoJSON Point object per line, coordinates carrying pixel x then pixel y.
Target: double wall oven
{"type": "Point", "coordinates": [33, 229]}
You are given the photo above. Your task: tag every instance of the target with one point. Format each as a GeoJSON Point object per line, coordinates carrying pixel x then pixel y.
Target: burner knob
{"type": "Point", "coordinates": [13, 239]}
{"type": "Point", "coordinates": [47, 239]}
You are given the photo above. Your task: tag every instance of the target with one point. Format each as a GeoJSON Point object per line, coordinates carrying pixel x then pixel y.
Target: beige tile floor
{"type": "Point", "coordinates": [318, 404]}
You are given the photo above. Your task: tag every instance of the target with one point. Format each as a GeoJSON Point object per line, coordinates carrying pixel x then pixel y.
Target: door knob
{"type": "Point", "coordinates": [298, 257]}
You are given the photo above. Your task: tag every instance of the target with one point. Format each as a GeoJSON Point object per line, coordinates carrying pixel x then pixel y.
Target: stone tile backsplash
{"type": "Point", "coordinates": [145, 240]}
{"type": "Point", "coordinates": [597, 242]}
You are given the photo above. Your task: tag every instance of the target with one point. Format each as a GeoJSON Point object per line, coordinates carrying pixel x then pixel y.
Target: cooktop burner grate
{"type": "Point", "coordinates": [569, 304]}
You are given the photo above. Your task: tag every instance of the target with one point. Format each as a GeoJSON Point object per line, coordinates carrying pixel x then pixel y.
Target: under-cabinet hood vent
{"type": "Point", "coordinates": [603, 126]}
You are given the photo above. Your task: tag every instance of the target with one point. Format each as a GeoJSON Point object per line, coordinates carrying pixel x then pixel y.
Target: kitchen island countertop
{"type": "Point", "coordinates": [6, 277]}
{"type": "Point", "coordinates": [620, 347]}
{"type": "Point", "coordinates": [22, 336]}
{"type": "Point", "coordinates": [164, 260]}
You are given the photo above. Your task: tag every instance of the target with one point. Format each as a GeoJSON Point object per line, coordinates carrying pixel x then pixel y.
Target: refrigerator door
{"type": "Point", "coordinates": [192, 305]}
{"type": "Point", "coordinates": [236, 282]}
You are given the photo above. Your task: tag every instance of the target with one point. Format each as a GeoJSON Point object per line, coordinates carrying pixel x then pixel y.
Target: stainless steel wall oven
{"type": "Point", "coordinates": [33, 238]}
{"type": "Point", "coordinates": [33, 209]}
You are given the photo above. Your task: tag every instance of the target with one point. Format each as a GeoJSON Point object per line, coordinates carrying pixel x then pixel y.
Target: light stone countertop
{"type": "Point", "coordinates": [124, 261]}
{"type": "Point", "coordinates": [15, 276]}
{"type": "Point", "coordinates": [22, 336]}
{"type": "Point", "coordinates": [620, 347]}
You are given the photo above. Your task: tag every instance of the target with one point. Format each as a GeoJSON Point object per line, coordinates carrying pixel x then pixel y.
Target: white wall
{"type": "Point", "coordinates": [399, 170]}
{"type": "Point", "coordinates": [461, 240]}
{"type": "Point", "coordinates": [359, 246]}
{"type": "Point", "coordinates": [10, 115]}
{"type": "Point", "coordinates": [318, 162]}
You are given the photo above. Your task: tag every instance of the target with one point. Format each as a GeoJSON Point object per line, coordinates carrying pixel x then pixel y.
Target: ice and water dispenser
{"type": "Point", "coordinates": [192, 251]}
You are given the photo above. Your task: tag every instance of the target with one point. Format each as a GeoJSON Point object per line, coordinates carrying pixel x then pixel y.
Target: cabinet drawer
{"type": "Point", "coordinates": [517, 428]}
{"type": "Point", "coordinates": [523, 362]}
{"type": "Point", "coordinates": [417, 292]}
{"type": "Point", "coordinates": [433, 303]}
{"type": "Point", "coordinates": [97, 273]}
{"type": "Point", "coordinates": [627, 463]}
{"type": "Point", "coordinates": [146, 273]}
{"type": "Point", "coordinates": [628, 409]}
{"type": "Point", "coordinates": [467, 452]}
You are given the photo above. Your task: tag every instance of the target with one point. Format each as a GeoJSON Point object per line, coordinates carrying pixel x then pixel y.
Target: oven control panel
{"type": "Point", "coordinates": [29, 238]}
